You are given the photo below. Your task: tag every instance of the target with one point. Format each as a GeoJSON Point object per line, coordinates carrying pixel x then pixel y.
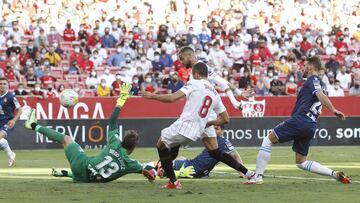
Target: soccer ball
{"type": "Point", "coordinates": [68, 98]}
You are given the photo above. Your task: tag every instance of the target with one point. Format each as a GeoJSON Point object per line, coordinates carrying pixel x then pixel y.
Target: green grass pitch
{"type": "Point", "coordinates": [30, 180]}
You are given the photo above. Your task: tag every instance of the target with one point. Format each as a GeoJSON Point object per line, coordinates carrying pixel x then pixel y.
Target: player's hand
{"type": "Point", "coordinates": [146, 95]}
{"type": "Point", "coordinates": [339, 114]}
{"type": "Point", "coordinates": [186, 172]}
{"type": "Point", "coordinates": [124, 94]}
{"type": "Point", "coordinates": [149, 173]}
{"type": "Point", "coordinates": [11, 123]}
{"type": "Point", "coordinates": [248, 93]}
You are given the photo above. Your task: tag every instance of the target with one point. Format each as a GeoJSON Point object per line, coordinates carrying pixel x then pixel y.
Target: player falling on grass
{"type": "Point", "coordinates": [301, 127]}
{"type": "Point", "coordinates": [201, 99]}
{"type": "Point", "coordinates": [8, 105]}
{"type": "Point", "coordinates": [112, 162]}
{"type": "Point", "coordinates": [203, 164]}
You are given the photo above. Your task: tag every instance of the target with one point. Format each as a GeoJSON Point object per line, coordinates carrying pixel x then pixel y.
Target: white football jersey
{"type": "Point", "coordinates": [201, 100]}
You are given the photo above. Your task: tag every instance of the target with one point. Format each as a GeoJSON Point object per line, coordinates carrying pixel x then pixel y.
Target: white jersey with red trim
{"type": "Point", "coordinates": [201, 100]}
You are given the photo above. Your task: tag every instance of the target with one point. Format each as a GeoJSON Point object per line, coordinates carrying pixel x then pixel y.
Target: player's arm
{"type": "Point", "coordinates": [166, 98]}
{"type": "Point", "coordinates": [18, 112]}
{"type": "Point", "coordinates": [327, 103]}
{"type": "Point", "coordinates": [223, 119]}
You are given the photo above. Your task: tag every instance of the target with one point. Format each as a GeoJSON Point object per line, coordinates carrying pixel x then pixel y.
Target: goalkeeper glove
{"type": "Point", "coordinates": [185, 172]}
{"type": "Point", "coordinates": [124, 94]}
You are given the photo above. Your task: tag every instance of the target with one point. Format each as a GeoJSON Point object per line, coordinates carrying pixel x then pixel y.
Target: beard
{"type": "Point", "coordinates": [188, 64]}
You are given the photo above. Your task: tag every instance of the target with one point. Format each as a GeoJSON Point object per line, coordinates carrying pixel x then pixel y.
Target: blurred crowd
{"type": "Point", "coordinates": [93, 46]}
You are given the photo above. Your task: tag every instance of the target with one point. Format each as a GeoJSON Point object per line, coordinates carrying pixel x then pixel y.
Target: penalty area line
{"type": "Point", "coordinates": [288, 177]}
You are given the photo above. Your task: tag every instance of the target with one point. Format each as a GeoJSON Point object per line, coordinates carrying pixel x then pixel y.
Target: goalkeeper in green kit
{"type": "Point", "coordinates": [111, 163]}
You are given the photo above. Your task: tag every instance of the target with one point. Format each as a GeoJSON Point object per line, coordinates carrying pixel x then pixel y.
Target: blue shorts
{"type": "Point", "coordinates": [4, 128]}
{"type": "Point", "coordinates": [298, 130]}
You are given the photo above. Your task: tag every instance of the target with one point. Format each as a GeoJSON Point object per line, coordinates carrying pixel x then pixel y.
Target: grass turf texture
{"type": "Point", "coordinates": [30, 180]}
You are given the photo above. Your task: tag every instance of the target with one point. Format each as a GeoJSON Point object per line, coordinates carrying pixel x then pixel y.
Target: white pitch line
{"type": "Point", "coordinates": [287, 177]}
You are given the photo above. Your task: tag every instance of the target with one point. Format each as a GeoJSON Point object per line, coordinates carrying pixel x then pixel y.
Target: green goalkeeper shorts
{"type": "Point", "coordinates": [78, 162]}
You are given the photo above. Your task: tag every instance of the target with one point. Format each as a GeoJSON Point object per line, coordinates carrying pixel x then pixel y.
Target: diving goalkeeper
{"type": "Point", "coordinates": [112, 162]}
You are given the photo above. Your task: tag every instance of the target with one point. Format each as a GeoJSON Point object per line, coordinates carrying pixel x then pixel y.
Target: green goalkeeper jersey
{"type": "Point", "coordinates": [113, 161]}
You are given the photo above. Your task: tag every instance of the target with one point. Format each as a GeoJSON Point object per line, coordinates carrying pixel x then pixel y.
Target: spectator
{"type": "Point", "coordinates": [21, 92]}
{"type": "Point", "coordinates": [94, 39]}
{"type": "Point", "coordinates": [165, 59]}
{"type": "Point", "coordinates": [264, 52]}
{"type": "Point", "coordinates": [115, 30]}
{"type": "Point", "coordinates": [282, 66]}
{"type": "Point", "coordinates": [341, 46]}
{"type": "Point", "coordinates": [277, 86]}
{"type": "Point", "coordinates": [156, 64]}
{"type": "Point", "coordinates": [175, 84]}
{"type": "Point", "coordinates": [149, 85]}
{"type": "Point", "coordinates": [74, 68]}
{"type": "Point", "coordinates": [245, 79]}
{"type": "Point", "coordinates": [102, 52]}
{"type": "Point", "coordinates": [217, 56]}
{"type": "Point", "coordinates": [135, 86]}
{"type": "Point", "coordinates": [37, 92]}
{"type": "Point", "coordinates": [145, 64]}
{"type": "Point", "coordinates": [78, 89]}
{"type": "Point", "coordinates": [53, 57]}
{"type": "Point", "coordinates": [169, 46]}
{"type": "Point", "coordinates": [53, 37]}
{"type": "Point", "coordinates": [82, 34]}
{"type": "Point", "coordinates": [77, 55]}
{"type": "Point", "coordinates": [47, 79]}
{"type": "Point", "coordinates": [69, 33]}
{"type": "Point", "coordinates": [30, 78]}
{"type": "Point", "coordinates": [237, 52]}
{"type": "Point", "coordinates": [96, 59]}
{"type": "Point", "coordinates": [60, 89]}
{"type": "Point", "coordinates": [23, 56]}
{"type": "Point", "coordinates": [92, 81]}
{"type": "Point", "coordinates": [291, 87]}
{"type": "Point", "coordinates": [116, 85]}
{"type": "Point", "coordinates": [108, 40]}
{"type": "Point", "coordinates": [261, 88]}
{"type": "Point", "coordinates": [151, 51]}
{"type": "Point", "coordinates": [103, 90]}
{"type": "Point", "coordinates": [31, 48]}
{"type": "Point", "coordinates": [355, 90]}
{"type": "Point", "coordinates": [184, 74]}
{"type": "Point", "coordinates": [116, 59]}
{"type": "Point", "coordinates": [305, 45]}
{"type": "Point", "coordinates": [51, 92]}
{"type": "Point", "coordinates": [330, 49]}
{"type": "Point", "coordinates": [335, 90]}
{"type": "Point", "coordinates": [41, 40]}
{"type": "Point", "coordinates": [344, 78]}
{"type": "Point", "coordinates": [86, 65]}
{"type": "Point", "coordinates": [324, 78]}
{"type": "Point", "coordinates": [84, 47]}
{"type": "Point", "coordinates": [10, 74]}
{"type": "Point", "coordinates": [332, 65]}
{"type": "Point", "coordinates": [108, 77]}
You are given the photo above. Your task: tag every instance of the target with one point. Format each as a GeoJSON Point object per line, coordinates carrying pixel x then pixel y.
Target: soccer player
{"type": "Point", "coordinates": [301, 127]}
{"type": "Point", "coordinates": [201, 99]}
{"type": "Point", "coordinates": [8, 106]}
{"type": "Point", "coordinates": [112, 162]}
{"type": "Point", "coordinates": [203, 164]}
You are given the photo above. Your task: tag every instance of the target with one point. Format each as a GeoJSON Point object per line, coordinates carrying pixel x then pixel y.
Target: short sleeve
{"type": "Point", "coordinates": [226, 145]}
{"type": "Point", "coordinates": [188, 88]}
{"type": "Point", "coordinates": [16, 103]}
{"type": "Point", "coordinates": [219, 108]}
{"type": "Point", "coordinates": [314, 84]}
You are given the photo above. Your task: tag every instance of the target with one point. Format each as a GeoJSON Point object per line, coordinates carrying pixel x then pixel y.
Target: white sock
{"type": "Point", "coordinates": [264, 156]}
{"type": "Point", "coordinates": [5, 146]}
{"type": "Point", "coordinates": [316, 167]}
{"type": "Point", "coordinates": [233, 100]}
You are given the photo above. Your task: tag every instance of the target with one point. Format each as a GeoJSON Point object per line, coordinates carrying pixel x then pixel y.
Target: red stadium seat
{"type": "Point", "coordinates": [72, 78]}
{"type": "Point", "coordinates": [89, 93]}
{"type": "Point", "coordinates": [13, 85]}
{"type": "Point", "coordinates": [57, 72]}
{"type": "Point", "coordinates": [83, 77]}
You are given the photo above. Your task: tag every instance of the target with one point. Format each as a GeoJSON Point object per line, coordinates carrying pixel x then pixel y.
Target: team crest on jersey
{"type": "Point", "coordinates": [253, 108]}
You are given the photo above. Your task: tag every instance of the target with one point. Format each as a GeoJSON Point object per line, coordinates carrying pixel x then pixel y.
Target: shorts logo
{"type": "Point", "coordinates": [253, 108]}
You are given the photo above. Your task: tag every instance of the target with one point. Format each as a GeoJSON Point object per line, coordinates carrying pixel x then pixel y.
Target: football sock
{"type": "Point", "coordinates": [66, 173]}
{"type": "Point", "coordinates": [233, 101]}
{"type": "Point", "coordinates": [48, 132]}
{"type": "Point", "coordinates": [263, 156]}
{"type": "Point", "coordinates": [316, 167]}
{"type": "Point", "coordinates": [174, 152]}
{"type": "Point", "coordinates": [228, 160]}
{"type": "Point", "coordinates": [166, 164]}
{"type": "Point", "coordinates": [5, 146]}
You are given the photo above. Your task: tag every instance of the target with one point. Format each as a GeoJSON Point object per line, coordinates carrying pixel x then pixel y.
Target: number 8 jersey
{"type": "Point", "coordinates": [308, 106]}
{"type": "Point", "coordinates": [201, 100]}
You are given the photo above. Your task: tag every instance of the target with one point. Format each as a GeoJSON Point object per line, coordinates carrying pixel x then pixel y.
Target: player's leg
{"type": "Point", "coordinates": [61, 173]}
{"type": "Point", "coordinates": [211, 145]}
{"type": "Point", "coordinates": [301, 148]}
{"type": "Point", "coordinates": [6, 147]}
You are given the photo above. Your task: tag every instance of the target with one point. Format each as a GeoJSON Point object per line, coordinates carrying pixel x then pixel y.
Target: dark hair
{"type": "Point", "coordinates": [201, 68]}
{"type": "Point", "coordinates": [130, 140]}
{"type": "Point", "coordinates": [1, 78]}
{"type": "Point", "coordinates": [186, 49]}
{"type": "Point", "coordinates": [314, 61]}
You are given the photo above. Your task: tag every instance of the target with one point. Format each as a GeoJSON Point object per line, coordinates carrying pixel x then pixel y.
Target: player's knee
{"type": "Point", "coordinates": [216, 153]}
